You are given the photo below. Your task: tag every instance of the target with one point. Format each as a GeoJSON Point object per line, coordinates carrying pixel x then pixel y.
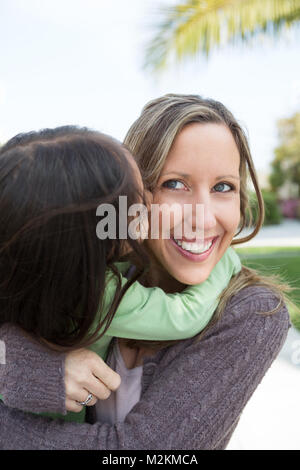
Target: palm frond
{"type": "Point", "coordinates": [199, 26]}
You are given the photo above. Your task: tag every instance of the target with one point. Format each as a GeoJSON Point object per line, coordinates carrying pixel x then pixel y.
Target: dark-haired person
{"type": "Point", "coordinates": [187, 395]}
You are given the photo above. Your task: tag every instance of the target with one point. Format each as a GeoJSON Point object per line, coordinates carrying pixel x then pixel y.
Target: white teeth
{"type": "Point", "coordinates": [194, 247]}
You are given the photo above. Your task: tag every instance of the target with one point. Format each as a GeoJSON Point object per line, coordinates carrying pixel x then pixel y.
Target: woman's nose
{"type": "Point", "coordinates": [204, 215]}
{"type": "Point", "coordinates": [209, 218]}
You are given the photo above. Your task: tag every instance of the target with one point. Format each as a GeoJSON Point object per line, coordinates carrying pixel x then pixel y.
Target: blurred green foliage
{"type": "Point", "coordinates": [273, 214]}
{"type": "Point", "coordinates": [286, 164]}
{"type": "Point", "coordinates": [192, 27]}
{"type": "Point", "coordinates": [283, 262]}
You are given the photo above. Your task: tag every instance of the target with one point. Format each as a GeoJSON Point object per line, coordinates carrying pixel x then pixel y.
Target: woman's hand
{"type": "Point", "coordinates": [86, 372]}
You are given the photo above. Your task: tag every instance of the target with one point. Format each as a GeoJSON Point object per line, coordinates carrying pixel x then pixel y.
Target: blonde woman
{"type": "Point", "coordinates": [179, 395]}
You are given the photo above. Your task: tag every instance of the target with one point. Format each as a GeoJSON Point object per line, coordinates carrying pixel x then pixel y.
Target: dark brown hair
{"type": "Point", "coordinates": [52, 265]}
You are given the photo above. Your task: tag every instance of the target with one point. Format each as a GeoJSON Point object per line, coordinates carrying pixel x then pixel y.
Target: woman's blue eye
{"type": "Point", "coordinates": [223, 187]}
{"type": "Point", "coordinates": [173, 184]}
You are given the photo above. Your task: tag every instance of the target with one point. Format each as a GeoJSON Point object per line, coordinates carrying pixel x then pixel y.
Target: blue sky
{"type": "Point", "coordinates": [80, 62]}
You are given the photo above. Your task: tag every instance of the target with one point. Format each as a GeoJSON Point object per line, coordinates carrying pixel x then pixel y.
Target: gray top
{"type": "Point", "coordinates": [192, 396]}
{"type": "Point", "coordinates": [119, 404]}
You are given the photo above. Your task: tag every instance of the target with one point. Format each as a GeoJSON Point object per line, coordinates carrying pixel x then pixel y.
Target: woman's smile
{"type": "Point", "coordinates": [198, 250]}
{"type": "Point", "coordinates": [201, 170]}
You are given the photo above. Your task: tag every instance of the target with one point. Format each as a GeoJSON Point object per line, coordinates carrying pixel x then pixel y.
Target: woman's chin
{"type": "Point", "coordinates": [189, 277]}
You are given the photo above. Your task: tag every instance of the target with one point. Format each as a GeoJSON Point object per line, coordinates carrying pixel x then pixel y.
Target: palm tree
{"type": "Point", "coordinates": [199, 26]}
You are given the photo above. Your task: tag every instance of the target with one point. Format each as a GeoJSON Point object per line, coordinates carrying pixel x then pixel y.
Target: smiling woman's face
{"type": "Point", "coordinates": [202, 167]}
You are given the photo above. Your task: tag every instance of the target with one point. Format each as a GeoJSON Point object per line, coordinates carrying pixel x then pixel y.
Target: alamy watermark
{"type": "Point", "coordinates": [159, 221]}
{"type": "Point", "coordinates": [2, 352]}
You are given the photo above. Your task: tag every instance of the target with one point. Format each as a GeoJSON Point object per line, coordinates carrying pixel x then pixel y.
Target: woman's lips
{"type": "Point", "coordinates": [195, 256]}
{"type": "Point", "coordinates": [195, 240]}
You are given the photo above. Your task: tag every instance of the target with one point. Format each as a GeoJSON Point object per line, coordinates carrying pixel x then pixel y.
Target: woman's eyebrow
{"type": "Point", "coordinates": [227, 176]}
{"type": "Point", "coordinates": [186, 175]}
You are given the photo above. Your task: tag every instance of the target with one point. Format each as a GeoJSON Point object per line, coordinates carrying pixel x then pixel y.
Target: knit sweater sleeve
{"type": "Point", "coordinates": [31, 375]}
{"type": "Point", "coordinates": [195, 396]}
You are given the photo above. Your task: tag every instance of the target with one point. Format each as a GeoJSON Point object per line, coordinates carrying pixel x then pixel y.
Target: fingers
{"type": "Point", "coordinates": [86, 372]}
{"type": "Point", "coordinates": [73, 401]}
{"type": "Point", "coordinates": [82, 363]}
{"type": "Point", "coordinates": [106, 375]}
{"type": "Point", "coordinates": [98, 388]}
{"type": "Point", "coordinates": [79, 394]}
{"type": "Point", "coordinates": [72, 405]}
{"type": "Point", "coordinates": [88, 384]}
{"type": "Point", "coordinates": [85, 396]}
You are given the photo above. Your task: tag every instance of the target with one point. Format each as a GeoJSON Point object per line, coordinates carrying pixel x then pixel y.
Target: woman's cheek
{"type": "Point", "coordinates": [230, 214]}
{"type": "Point", "coordinates": [167, 213]}
{"type": "Point", "coordinates": [236, 211]}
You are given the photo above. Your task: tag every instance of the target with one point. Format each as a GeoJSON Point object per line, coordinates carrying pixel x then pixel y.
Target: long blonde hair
{"type": "Point", "coordinates": [150, 138]}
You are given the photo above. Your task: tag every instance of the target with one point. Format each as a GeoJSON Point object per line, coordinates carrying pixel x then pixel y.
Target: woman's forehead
{"type": "Point", "coordinates": [203, 145]}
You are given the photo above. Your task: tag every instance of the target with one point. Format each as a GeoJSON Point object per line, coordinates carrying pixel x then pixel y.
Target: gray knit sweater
{"type": "Point", "coordinates": [193, 393]}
